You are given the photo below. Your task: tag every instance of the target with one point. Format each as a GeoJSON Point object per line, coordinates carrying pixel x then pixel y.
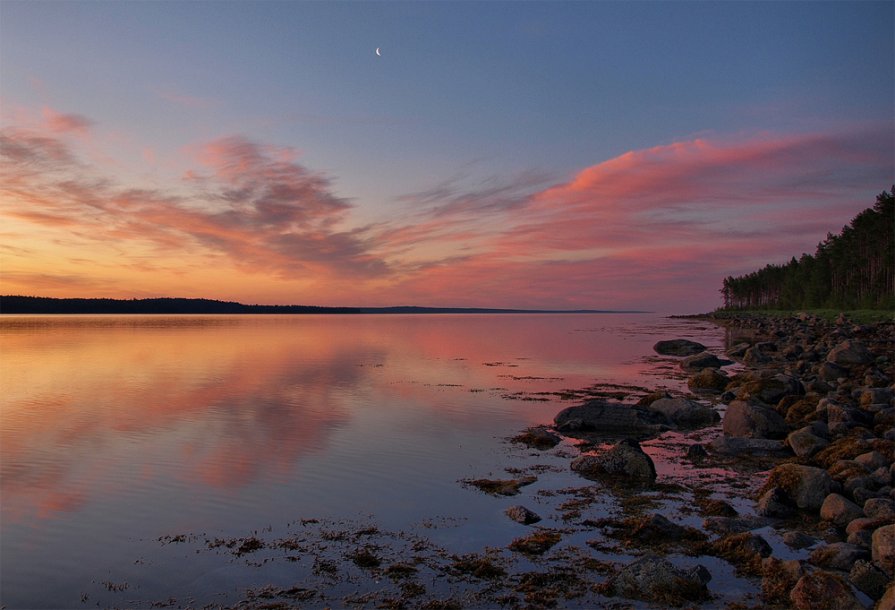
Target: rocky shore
{"type": "Point", "coordinates": [815, 400]}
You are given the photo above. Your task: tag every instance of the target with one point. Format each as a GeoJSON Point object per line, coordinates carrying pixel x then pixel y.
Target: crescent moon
{"type": "Point", "coordinates": [378, 53]}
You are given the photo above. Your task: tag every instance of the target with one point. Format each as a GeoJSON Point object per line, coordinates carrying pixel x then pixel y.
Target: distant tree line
{"type": "Point", "coordinates": [852, 270]}
{"type": "Point", "coordinates": [42, 305]}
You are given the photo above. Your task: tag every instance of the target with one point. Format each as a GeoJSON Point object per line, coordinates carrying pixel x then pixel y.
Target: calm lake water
{"type": "Point", "coordinates": [118, 431]}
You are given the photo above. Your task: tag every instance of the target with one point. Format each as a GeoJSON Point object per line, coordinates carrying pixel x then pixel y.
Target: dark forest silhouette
{"type": "Point", "coordinates": [852, 270]}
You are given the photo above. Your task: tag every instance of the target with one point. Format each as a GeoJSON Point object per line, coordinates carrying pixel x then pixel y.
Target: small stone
{"type": "Point", "coordinates": [804, 443]}
{"type": "Point", "coordinates": [522, 515]}
{"type": "Point", "coordinates": [775, 503]}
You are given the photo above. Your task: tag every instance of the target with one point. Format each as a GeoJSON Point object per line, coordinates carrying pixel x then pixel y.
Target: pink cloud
{"type": "Point", "coordinates": [66, 123]}
{"type": "Point", "coordinates": [653, 228]}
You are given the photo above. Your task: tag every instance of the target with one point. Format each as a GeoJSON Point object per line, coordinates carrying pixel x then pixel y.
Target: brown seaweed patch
{"type": "Point", "coordinates": [537, 543]}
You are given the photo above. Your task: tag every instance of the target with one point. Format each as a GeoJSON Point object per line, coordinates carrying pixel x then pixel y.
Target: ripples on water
{"type": "Point", "coordinates": [118, 430]}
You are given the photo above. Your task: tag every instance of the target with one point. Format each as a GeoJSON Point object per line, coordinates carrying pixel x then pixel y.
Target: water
{"type": "Point", "coordinates": [117, 431]}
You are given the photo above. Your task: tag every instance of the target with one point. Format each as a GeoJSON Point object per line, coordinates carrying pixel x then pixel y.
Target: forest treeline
{"type": "Point", "coordinates": [852, 270]}
{"type": "Point", "coordinates": [42, 305]}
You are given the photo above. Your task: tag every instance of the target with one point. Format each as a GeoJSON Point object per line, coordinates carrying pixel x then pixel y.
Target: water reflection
{"type": "Point", "coordinates": [120, 429]}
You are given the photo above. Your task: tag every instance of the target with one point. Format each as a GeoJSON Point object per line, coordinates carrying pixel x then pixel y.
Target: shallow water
{"type": "Point", "coordinates": [117, 431]}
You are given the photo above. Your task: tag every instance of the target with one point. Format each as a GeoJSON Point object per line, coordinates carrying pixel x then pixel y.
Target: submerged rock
{"type": "Point", "coordinates": [538, 437]}
{"type": "Point", "coordinates": [703, 360]}
{"type": "Point", "coordinates": [624, 463]}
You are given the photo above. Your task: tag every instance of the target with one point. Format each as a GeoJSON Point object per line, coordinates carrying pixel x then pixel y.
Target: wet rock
{"type": "Point", "coordinates": [704, 360]}
{"type": "Point", "coordinates": [745, 420]}
{"type": "Point", "coordinates": [838, 556]}
{"type": "Point", "coordinates": [775, 502]}
{"type": "Point", "coordinates": [522, 515]}
{"type": "Point", "coordinates": [655, 529]}
{"type": "Point", "coordinates": [850, 352]}
{"type": "Point", "coordinates": [624, 463]}
{"type": "Point", "coordinates": [538, 437]}
{"type": "Point", "coordinates": [744, 550]}
{"type": "Point", "coordinates": [685, 413]}
{"type": "Point", "coordinates": [831, 372]}
{"type": "Point", "coordinates": [883, 548]}
{"type": "Point", "coordinates": [839, 510]}
{"type": "Point", "coordinates": [771, 389]}
{"type": "Point", "coordinates": [874, 396]}
{"type": "Point", "coordinates": [868, 579]}
{"type": "Point", "coordinates": [778, 579]}
{"type": "Point", "coordinates": [872, 460]}
{"type": "Point", "coordinates": [708, 379]}
{"type": "Point", "coordinates": [823, 591]}
{"type": "Point", "coordinates": [724, 526]}
{"type": "Point", "coordinates": [610, 418]}
{"type": "Point", "coordinates": [804, 443]}
{"type": "Point", "coordinates": [798, 540]}
{"type": "Point", "coordinates": [696, 452]}
{"type": "Point", "coordinates": [806, 486]}
{"type": "Point", "coordinates": [678, 347]}
{"type": "Point", "coordinates": [656, 580]}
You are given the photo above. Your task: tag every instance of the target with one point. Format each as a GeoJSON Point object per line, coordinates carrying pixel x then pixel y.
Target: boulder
{"type": "Point", "coordinates": [746, 420]}
{"type": "Point", "coordinates": [850, 352]}
{"type": "Point", "coordinates": [771, 389]}
{"type": "Point", "coordinates": [678, 347]}
{"type": "Point", "coordinates": [609, 418]}
{"type": "Point", "coordinates": [708, 379]}
{"type": "Point", "coordinates": [840, 510]}
{"type": "Point", "coordinates": [823, 591]}
{"type": "Point", "coordinates": [656, 580]}
{"type": "Point", "coordinates": [804, 443]}
{"type": "Point", "coordinates": [685, 413]}
{"type": "Point", "coordinates": [868, 579]}
{"type": "Point", "coordinates": [806, 486]}
{"type": "Point", "coordinates": [522, 515]}
{"type": "Point", "coordinates": [830, 371]}
{"type": "Point", "coordinates": [876, 396]}
{"type": "Point", "coordinates": [703, 360]}
{"type": "Point", "coordinates": [625, 462]}
{"type": "Point", "coordinates": [879, 507]}
{"type": "Point", "coordinates": [883, 548]}
{"type": "Point", "coordinates": [838, 556]}
{"type": "Point", "coordinates": [887, 601]}
{"type": "Point", "coordinates": [744, 550]}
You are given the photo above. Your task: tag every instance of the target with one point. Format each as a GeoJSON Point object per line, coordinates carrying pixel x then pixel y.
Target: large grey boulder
{"type": "Point", "coordinates": [625, 462]}
{"type": "Point", "coordinates": [747, 420]}
{"type": "Point", "coordinates": [678, 347]}
{"type": "Point", "coordinates": [657, 580]}
{"type": "Point", "coordinates": [850, 352]}
{"type": "Point", "coordinates": [610, 418]}
{"type": "Point", "coordinates": [684, 412]}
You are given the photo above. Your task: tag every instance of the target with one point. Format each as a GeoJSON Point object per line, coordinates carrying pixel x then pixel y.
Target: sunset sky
{"type": "Point", "coordinates": [501, 154]}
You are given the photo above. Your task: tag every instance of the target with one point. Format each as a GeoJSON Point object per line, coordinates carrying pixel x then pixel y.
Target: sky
{"type": "Point", "coordinates": [604, 155]}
